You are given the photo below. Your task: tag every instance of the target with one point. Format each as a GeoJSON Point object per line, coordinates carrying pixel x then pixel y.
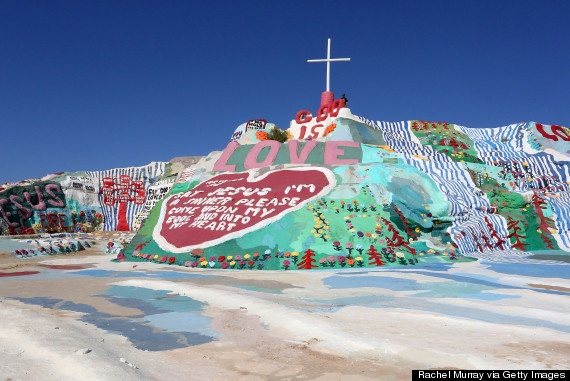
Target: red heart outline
{"type": "Point", "coordinates": [228, 193]}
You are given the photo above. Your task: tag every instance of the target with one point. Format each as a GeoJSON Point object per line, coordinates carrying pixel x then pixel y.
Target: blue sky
{"type": "Point", "coordinates": [93, 85]}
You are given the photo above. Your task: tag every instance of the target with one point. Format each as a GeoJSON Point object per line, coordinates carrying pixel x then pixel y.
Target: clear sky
{"type": "Point", "coordinates": [94, 85]}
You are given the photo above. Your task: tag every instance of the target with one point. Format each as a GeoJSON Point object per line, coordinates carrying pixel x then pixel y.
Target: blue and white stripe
{"type": "Point", "coordinates": [147, 174]}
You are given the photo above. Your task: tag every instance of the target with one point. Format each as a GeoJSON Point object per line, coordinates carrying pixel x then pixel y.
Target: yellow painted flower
{"type": "Point", "coordinates": [156, 256]}
{"type": "Point", "coordinates": [230, 257]}
{"type": "Point", "coordinates": [358, 258]}
{"type": "Point", "coordinates": [294, 254]}
{"type": "Point", "coordinates": [417, 229]}
{"type": "Point", "coordinates": [247, 256]}
{"type": "Point", "coordinates": [232, 263]}
{"type": "Point", "coordinates": [327, 237]}
{"type": "Point", "coordinates": [352, 230]}
{"type": "Point", "coordinates": [204, 263]}
{"type": "Point", "coordinates": [364, 215]}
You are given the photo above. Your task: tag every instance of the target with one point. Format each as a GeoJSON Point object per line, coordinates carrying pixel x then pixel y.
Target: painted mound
{"type": "Point", "coordinates": [348, 192]}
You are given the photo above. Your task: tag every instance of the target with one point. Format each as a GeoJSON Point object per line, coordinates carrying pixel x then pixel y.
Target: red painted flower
{"type": "Point", "coordinates": [171, 259]}
{"type": "Point", "coordinates": [221, 258]}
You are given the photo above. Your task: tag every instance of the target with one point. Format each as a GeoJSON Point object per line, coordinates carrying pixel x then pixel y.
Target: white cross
{"type": "Point", "coordinates": [328, 60]}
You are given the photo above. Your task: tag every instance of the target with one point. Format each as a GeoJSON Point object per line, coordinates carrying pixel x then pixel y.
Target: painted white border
{"type": "Point", "coordinates": [165, 245]}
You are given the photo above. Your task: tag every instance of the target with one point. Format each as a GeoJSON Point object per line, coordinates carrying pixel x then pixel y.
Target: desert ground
{"type": "Point", "coordinates": [80, 316]}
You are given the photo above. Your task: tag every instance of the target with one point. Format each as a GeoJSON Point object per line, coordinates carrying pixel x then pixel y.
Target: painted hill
{"type": "Point", "coordinates": [345, 191]}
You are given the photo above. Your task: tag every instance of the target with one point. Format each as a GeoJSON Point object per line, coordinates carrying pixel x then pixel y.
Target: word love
{"type": "Point", "coordinates": [230, 205]}
{"type": "Point", "coordinates": [271, 152]}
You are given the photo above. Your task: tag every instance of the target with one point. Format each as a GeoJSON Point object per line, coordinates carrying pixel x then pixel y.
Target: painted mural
{"type": "Point", "coordinates": [78, 202]}
{"type": "Point", "coordinates": [348, 192]}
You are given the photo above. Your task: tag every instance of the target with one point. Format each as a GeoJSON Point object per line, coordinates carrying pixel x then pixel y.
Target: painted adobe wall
{"type": "Point", "coordinates": [358, 193]}
{"type": "Point", "coordinates": [82, 201]}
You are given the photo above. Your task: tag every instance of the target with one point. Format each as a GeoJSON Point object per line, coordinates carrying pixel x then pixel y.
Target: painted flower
{"type": "Point", "coordinates": [202, 259]}
{"type": "Point", "coordinates": [188, 263]}
{"type": "Point", "coordinates": [224, 265]}
{"type": "Point", "coordinates": [261, 135]}
{"type": "Point", "coordinates": [221, 258]}
{"type": "Point", "coordinates": [286, 263]}
{"type": "Point", "coordinates": [331, 259]}
{"type": "Point", "coordinates": [350, 262]}
{"type": "Point", "coordinates": [323, 261]}
{"type": "Point", "coordinates": [194, 264]}
{"type": "Point", "coordinates": [171, 259]}
{"type": "Point", "coordinates": [204, 263]}
{"type": "Point", "coordinates": [238, 258]}
{"type": "Point", "coordinates": [230, 257]}
{"type": "Point", "coordinates": [349, 245]}
{"type": "Point", "coordinates": [247, 256]}
{"type": "Point", "coordinates": [212, 259]}
{"type": "Point", "coordinates": [341, 258]}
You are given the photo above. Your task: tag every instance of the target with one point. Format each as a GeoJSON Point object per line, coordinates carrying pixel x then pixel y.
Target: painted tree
{"type": "Point", "coordinates": [512, 224]}
{"type": "Point", "coordinates": [479, 247]}
{"type": "Point", "coordinates": [397, 240]}
{"type": "Point", "coordinates": [547, 241]}
{"type": "Point", "coordinates": [307, 260]}
{"type": "Point", "coordinates": [540, 204]}
{"type": "Point", "coordinates": [409, 232]}
{"type": "Point", "coordinates": [375, 257]}
{"type": "Point", "coordinates": [126, 191]}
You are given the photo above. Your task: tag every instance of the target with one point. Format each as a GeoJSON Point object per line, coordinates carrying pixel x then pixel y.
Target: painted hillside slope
{"type": "Point", "coordinates": [115, 199]}
{"type": "Point", "coordinates": [348, 192]}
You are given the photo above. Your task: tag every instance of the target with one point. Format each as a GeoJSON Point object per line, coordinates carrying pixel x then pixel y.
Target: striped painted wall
{"type": "Point", "coordinates": [147, 174]}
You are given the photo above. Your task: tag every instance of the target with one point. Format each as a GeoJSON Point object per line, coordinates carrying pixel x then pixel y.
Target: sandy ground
{"type": "Point", "coordinates": [81, 317]}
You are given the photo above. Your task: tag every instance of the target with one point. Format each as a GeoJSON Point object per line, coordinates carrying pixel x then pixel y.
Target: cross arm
{"type": "Point", "coordinates": [329, 60]}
